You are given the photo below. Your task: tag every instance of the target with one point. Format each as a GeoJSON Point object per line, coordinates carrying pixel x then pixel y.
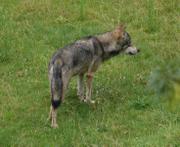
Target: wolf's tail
{"type": "Point", "coordinates": [56, 84]}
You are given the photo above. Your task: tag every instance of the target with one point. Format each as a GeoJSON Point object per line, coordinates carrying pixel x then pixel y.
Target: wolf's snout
{"type": "Point", "coordinates": [132, 50]}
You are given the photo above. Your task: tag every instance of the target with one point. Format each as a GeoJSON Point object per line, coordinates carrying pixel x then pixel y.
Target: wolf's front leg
{"type": "Point", "coordinates": [80, 87]}
{"type": "Point", "coordinates": [89, 88]}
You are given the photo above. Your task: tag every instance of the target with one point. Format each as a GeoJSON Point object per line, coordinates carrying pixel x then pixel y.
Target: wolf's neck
{"type": "Point", "coordinates": [108, 55]}
{"type": "Point", "coordinates": [109, 46]}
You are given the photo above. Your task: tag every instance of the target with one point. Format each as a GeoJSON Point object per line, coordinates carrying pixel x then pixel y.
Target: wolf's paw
{"type": "Point", "coordinates": [92, 101]}
{"type": "Point", "coordinates": [54, 125]}
{"type": "Point", "coordinates": [89, 101]}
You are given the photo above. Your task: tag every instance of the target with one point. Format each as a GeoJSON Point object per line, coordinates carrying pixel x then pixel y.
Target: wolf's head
{"type": "Point", "coordinates": [123, 41]}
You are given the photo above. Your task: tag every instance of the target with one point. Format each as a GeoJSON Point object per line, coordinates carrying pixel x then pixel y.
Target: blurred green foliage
{"type": "Point", "coordinates": [165, 81]}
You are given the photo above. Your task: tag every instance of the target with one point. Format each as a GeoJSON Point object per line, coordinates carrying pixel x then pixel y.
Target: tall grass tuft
{"type": "Point", "coordinates": [165, 81]}
{"type": "Point", "coordinates": [82, 10]}
{"type": "Point", "coordinates": [152, 18]}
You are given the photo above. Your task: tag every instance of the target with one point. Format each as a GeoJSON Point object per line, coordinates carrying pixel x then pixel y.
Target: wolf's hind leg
{"type": "Point", "coordinates": [89, 88]}
{"type": "Point", "coordinates": [80, 87]}
{"type": "Point", "coordinates": [54, 118]}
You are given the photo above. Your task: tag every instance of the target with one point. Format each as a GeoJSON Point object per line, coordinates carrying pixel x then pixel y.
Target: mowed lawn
{"type": "Point", "coordinates": [126, 113]}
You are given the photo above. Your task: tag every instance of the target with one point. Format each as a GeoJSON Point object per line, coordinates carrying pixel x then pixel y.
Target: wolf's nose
{"type": "Point", "coordinates": [138, 50]}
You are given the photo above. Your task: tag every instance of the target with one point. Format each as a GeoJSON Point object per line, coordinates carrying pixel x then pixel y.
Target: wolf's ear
{"type": "Point", "coordinates": [118, 32]}
{"type": "Point", "coordinates": [121, 27]}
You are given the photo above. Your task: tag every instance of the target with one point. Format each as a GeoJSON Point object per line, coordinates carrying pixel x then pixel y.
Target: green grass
{"type": "Point", "coordinates": [125, 113]}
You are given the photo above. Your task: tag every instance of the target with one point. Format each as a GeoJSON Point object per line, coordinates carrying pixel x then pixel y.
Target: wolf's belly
{"type": "Point", "coordinates": [80, 69]}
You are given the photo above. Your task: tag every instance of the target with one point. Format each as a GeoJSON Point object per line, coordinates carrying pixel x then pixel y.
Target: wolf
{"type": "Point", "coordinates": [83, 57]}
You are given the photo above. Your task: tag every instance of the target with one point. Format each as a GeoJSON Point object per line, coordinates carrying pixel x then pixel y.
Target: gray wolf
{"type": "Point", "coordinates": [83, 57]}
